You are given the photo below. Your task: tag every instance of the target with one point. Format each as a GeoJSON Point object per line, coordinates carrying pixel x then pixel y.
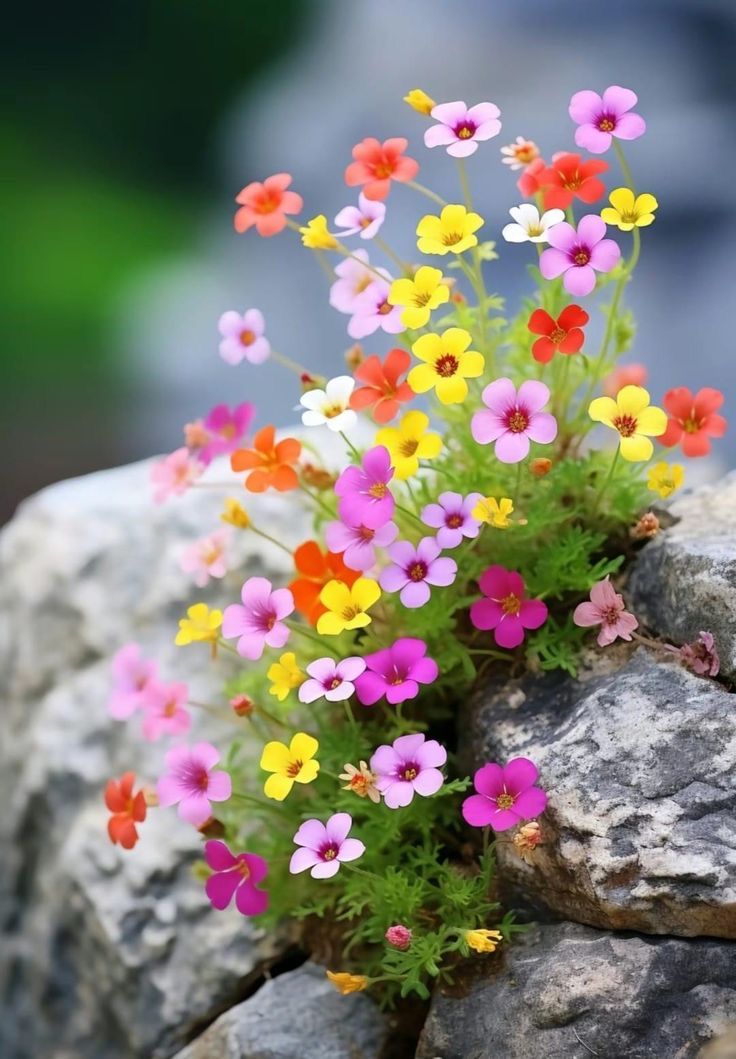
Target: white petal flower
{"type": "Point", "coordinates": [330, 407]}
{"type": "Point", "coordinates": [529, 226]}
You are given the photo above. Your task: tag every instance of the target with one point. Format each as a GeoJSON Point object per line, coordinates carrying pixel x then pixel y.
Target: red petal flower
{"type": "Point", "coordinates": [693, 419]}
{"type": "Point", "coordinates": [568, 178]}
{"type": "Point", "coordinates": [127, 810]}
{"type": "Point", "coordinates": [563, 335]}
{"type": "Point", "coordinates": [383, 392]}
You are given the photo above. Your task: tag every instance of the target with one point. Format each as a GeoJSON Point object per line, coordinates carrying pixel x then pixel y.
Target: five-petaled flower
{"type": "Point", "coordinates": [376, 164]}
{"type": "Point", "coordinates": [410, 765]}
{"type": "Point", "coordinates": [331, 680]}
{"type": "Point", "coordinates": [201, 625]}
{"type": "Point", "coordinates": [238, 875]}
{"type": "Point", "coordinates": [454, 518]}
{"type": "Point", "coordinates": [562, 335]}
{"type": "Point", "coordinates": [665, 478]}
{"type": "Point", "coordinates": [270, 462]}
{"type": "Point", "coordinates": [383, 392]}
{"type": "Point", "coordinates": [330, 407]}
{"type": "Point", "coordinates": [600, 118]}
{"type": "Point", "coordinates": [358, 542]}
{"type": "Point", "coordinates": [447, 363]}
{"type": "Point", "coordinates": [419, 295]}
{"type": "Point", "coordinates": [323, 847]}
{"type": "Point", "coordinates": [206, 558]}
{"type": "Point", "coordinates": [193, 782]}
{"type": "Point", "coordinates": [366, 218]}
{"type": "Point", "coordinates": [629, 211]}
{"type": "Point", "coordinates": [363, 491]}
{"type": "Point", "coordinates": [259, 622]}
{"type": "Point", "coordinates": [315, 568]}
{"type": "Point", "coordinates": [528, 226]}
{"type": "Point", "coordinates": [414, 568]}
{"type": "Point", "coordinates": [266, 205]}
{"type": "Point", "coordinates": [512, 419]}
{"type": "Point", "coordinates": [347, 606]}
{"type": "Point", "coordinates": [285, 675]}
{"type": "Point", "coordinates": [606, 608]}
{"type": "Point", "coordinates": [360, 781]}
{"type": "Point", "coordinates": [243, 337]}
{"type": "Point", "coordinates": [505, 608]}
{"type": "Point", "coordinates": [462, 128]}
{"type": "Point", "coordinates": [634, 418]}
{"type": "Point", "coordinates": [520, 153]}
{"type": "Point", "coordinates": [290, 764]}
{"type": "Point", "coordinates": [450, 233]}
{"type": "Point", "coordinates": [409, 443]}
{"type": "Point", "coordinates": [127, 809]}
{"type": "Point", "coordinates": [396, 672]}
{"type": "Point", "coordinates": [505, 795]}
{"type": "Point", "coordinates": [577, 255]}
{"type": "Point", "coordinates": [174, 474]}
{"type": "Point", "coordinates": [693, 419]}
{"type": "Point", "coordinates": [569, 178]}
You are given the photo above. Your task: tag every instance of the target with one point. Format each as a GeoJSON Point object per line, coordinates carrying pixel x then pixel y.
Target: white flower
{"type": "Point", "coordinates": [330, 407]}
{"type": "Point", "coordinates": [520, 153]}
{"type": "Point", "coordinates": [530, 227]}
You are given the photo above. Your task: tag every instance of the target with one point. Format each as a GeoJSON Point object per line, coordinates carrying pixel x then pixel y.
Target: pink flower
{"type": "Point", "coordinates": [461, 128]}
{"type": "Point", "coordinates": [398, 937]}
{"type": "Point", "coordinates": [578, 255]}
{"type": "Point", "coordinates": [354, 279]}
{"type": "Point", "coordinates": [452, 518]}
{"type": "Point", "coordinates": [133, 677]}
{"type": "Point", "coordinates": [358, 543]}
{"type": "Point", "coordinates": [410, 766]}
{"type": "Point", "coordinates": [365, 498]}
{"type": "Point", "coordinates": [174, 474]}
{"type": "Point", "coordinates": [206, 558]}
{"type": "Point", "coordinates": [265, 205]}
{"type": "Point", "coordinates": [414, 569]}
{"type": "Point", "coordinates": [237, 874]}
{"type": "Point", "coordinates": [372, 310]}
{"type": "Point", "coordinates": [164, 712]}
{"type": "Point", "coordinates": [514, 419]}
{"type": "Point", "coordinates": [505, 608]}
{"type": "Point", "coordinates": [599, 118]}
{"type": "Point", "coordinates": [366, 218]}
{"type": "Point", "coordinates": [607, 609]}
{"type": "Point", "coordinates": [396, 672]}
{"type": "Point", "coordinates": [225, 428]}
{"type": "Point", "coordinates": [323, 847]}
{"type": "Point", "coordinates": [505, 796]}
{"type": "Point", "coordinates": [193, 782]}
{"type": "Point", "coordinates": [701, 656]}
{"type": "Point", "coordinates": [331, 680]}
{"type": "Point", "coordinates": [259, 622]}
{"type": "Point", "coordinates": [242, 337]}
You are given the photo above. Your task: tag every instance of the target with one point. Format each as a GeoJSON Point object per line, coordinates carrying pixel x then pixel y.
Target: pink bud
{"type": "Point", "coordinates": [399, 937]}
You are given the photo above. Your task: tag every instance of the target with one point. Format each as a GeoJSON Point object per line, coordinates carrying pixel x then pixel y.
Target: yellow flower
{"type": "Point", "coordinates": [447, 364]}
{"type": "Point", "coordinates": [235, 514]}
{"type": "Point", "coordinates": [201, 624]}
{"type": "Point", "coordinates": [420, 295]}
{"type": "Point", "coordinates": [348, 983]}
{"type": "Point", "coordinates": [495, 512]}
{"type": "Point", "coordinates": [634, 418]}
{"type": "Point", "coordinates": [409, 443]}
{"type": "Point", "coordinates": [483, 940]}
{"type": "Point", "coordinates": [289, 764]}
{"type": "Point", "coordinates": [285, 676]}
{"type": "Point", "coordinates": [420, 101]}
{"type": "Point", "coordinates": [316, 236]}
{"type": "Point", "coordinates": [665, 478]}
{"type": "Point", "coordinates": [628, 211]}
{"type": "Point", "coordinates": [347, 605]}
{"type": "Point", "coordinates": [450, 233]}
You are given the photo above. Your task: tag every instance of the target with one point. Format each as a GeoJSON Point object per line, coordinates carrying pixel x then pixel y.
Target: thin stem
{"type": "Point", "coordinates": [263, 712]}
{"type": "Point", "coordinates": [625, 168]}
{"type": "Point", "coordinates": [607, 481]}
{"type": "Point", "coordinates": [297, 627]}
{"type": "Point", "coordinates": [255, 801]}
{"type": "Point", "coordinates": [517, 485]}
{"type": "Point", "coordinates": [425, 191]}
{"type": "Point", "coordinates": [409, 514]}
{"type": "Point", "coordinates": [316, 499]}
{"type": "Point", "coordinates": [350, 445]}
{"type": "Point", "coordinates": [287, 362]}
{"type": "Point", "coordinates": [401, 265]}
{"type": "Point", "coordinates": [268, 537]}
{"type": "Point", "coordinates": [479, 284]}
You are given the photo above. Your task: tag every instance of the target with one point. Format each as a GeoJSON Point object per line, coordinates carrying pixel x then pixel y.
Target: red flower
{"type": "Point", "coordinates": [693, 419]}
{"type": "Point", "coordinates": [266, 205]}
{"type": "Point", "coordinates": [569, 178]}
{"type": "Point", "coordinates": [127, 810]}
{"type": "Point", "coordinates": [563, 335]}
{"type": "Point", "coordinates": [528, 183]}
{"type": "Point", "coordinates": [377, 164]}
{"type": "Point", "coordinates": [315, 569]}
{"type": "Point", "coordinates": [383, 393]}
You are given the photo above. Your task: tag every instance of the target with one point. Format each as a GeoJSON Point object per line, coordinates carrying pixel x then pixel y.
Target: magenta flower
{"type": "Point", "coordinates": [243, 338]}
{"type": "Point", "coordinates": [366, 218]}
{"type": "Point", "coordinates": [599, 118]}
{"type": "Point", "coordinates": [373, 311]}
{"type": "Point", "coordinates": [164, 712]}
{"type": "Point", "coordinates": [206, 558]}
{"type": "Point", "coordinates": [225, 428]}
{"type": "Point", "coordinates": [133, 677]}
{"type": "Point", "coordinates": [452, 518]}
{"type": "Point", "coordinates": [461, 128]}
{"type": "Point", "coordinates": [410, 766]}
{"type": "Point", "coordinates": [354, 278]}
{"type": "Point", "coordinates": [607, 609]}
{"type": "Point", "coordinates": [323, 847]}
{"type": "Point", "coordinates": [174, 474]}
{"type": "Point", "coordinates": [505, 796]}
{"type": "Point", "coordinates": [358, 543]}
{"type": "Point", "coordinates": [398, 937]}
{"type": "Point", "coordinates": [331, 680]}
{"type": "Point", "coordinates": [237, 874]}
{"type": "Point", "coordinates": [514, 419]}
{"type": "Point", "coordinates": [578, 255]}
{"type": "Point", "coordinates": [396, 672]}
{"type": "Point", "coordinates": [505, 608]}
{"type": "Point", "coordinates": [193, 782]}
{"type": "Point", "coordinates": [365, 497]}
{"type": "Point", "coordinates": [259, 622]}
{"type": "Point", "coordinates": [414, 569]}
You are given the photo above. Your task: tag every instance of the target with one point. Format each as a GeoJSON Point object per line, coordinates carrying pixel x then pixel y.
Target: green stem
{"type": "Point", "coordinates": [607, 481]}
{"type": "Point", "coordinates": [517, 486]}
{"type": "Point", "coordinates": [316, 499]}
{"type": "Point", "coordinates": [425, 191]}
{"type": "Point", "coordinates": [268, 537]}
{"type": "Point", "coordinates": [287, 362]}
{"type": "Point", "coordinates": [479, 284]}
{"type": "Point", "coordinates": [297, 627]}
{"type": "Point", "coordinates": [625, 168]}
{"type": "Point", "coordinates": [350, 445]}
{"type": "Point", "coordinates": [255, 801]}
{"type": "Point", "coordinates": [401, 265]}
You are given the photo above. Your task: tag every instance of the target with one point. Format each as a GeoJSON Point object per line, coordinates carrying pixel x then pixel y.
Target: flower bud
{"type": "Point", "coordinates": [212, 828]}
{"type": "Point", "coordinates": [242, 705]}
{"type": "Point", "coordinates": [540, 466]}
{"type": "Point", "coordinates": [419, 100]}
{"type": "Point", "coordinates": [646, 527]}
{"type": "Point", "coordinates": [399, 937]}
{"type": "Point", "coordinates": [527, 838]}
{"type": "Point", "coordinates": [318, 477]}
{"type": "Point", "coordinates": [354, 356]}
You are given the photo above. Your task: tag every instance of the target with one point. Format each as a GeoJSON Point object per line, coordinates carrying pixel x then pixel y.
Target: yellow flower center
{"type": "Point", "coordinates": [606, 125]}
{"type": "Point", "coordinates": [505, 801]}
{"type": "Point", "coordinates": [170, 708]}
{"type": "Point", "coordinates": [557, 335]}
{"type": "Point", "coordinates": [330, 853]}
{"type": "Point", "coordinates": [247, 337]}
{"type": "Point", "coordinates": [383, 171]}
{"type": "Point", "coordinates": [332, 410]}
{"type": "Point", "coordinates": [581, 257]}
{"type": "Point", "coordinates": [446, 366]}
{"type": "Point", "coordinates": [691, 426]}
{"type": "Point", "coordinates": [518, 422]}
{"type": "Point", "coordinates": [524, 154]}
{"type": "Point", "coordinates": [572, 183]}
{"type": "Point", "coordinates": [335, 683]}
{"type": "Point", "coordinates": [418, 571]}
{"type": "Point", "coordinates": [535, 229]}
{"type": "Point", "coordinates": [378, 490]}
{"type": "Point", "coordinates": [511, 604]}
{"type": "Point", "coordinates": [626, 425]}
{"type": "Point", "coordinates": [464, 133]}
{"type": "Point", "coordinates": [409, 773]}
{"type": "Point", "coordinates": [408, 447]}
{"type": "Point", "coordinates": [243, 869]}
{"type": "Point", "coordinates": [451, 238]}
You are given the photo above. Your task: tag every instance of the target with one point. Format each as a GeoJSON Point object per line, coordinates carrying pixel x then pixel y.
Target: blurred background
{"type": "Point", "coordinates": [127, 129]}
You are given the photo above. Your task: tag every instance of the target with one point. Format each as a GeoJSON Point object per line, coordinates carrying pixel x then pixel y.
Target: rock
{"type": "Point", "coordinates": [640, 767]}
{"type": "Point", "coordinates": [568, 992]}
{"type": "Point", "coordinates": [684, 580]}
{"type": "Point", "coordinates": [321, 1024]}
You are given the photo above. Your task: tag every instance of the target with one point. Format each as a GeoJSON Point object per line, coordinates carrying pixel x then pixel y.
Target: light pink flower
{"type": "Point", "coordinates": [505, 795]}
{"type": "Point", "coordinates": [354, 278]}
{"type": "Point", "coordinates": [132, 679]}
{"type": "Point", "coordinates": [243, 337]}
{"type": "Point", "coordinates": [323, 847]}
{"type": "Point", "coordinates": [411, 765]}
{"type": "Point", "coordinates": [331, 680]}
{"type": "Point", "coordinates": [701, 656]}
{"type": "Point", "coordinates": [259, 621]}
{"type": "Point", "coordinates": [373, 311]}
{"type": "Point", "coordinates": [607, 609]}
{"type": "Point", "coordinates": [206, 557]}
{"type": "Point", "coordinates": [174, 474]}
{"type": "Point", "coordinates": [164, 712]}
{"type": "Point", "coordinates": [358, 543]}
{"type": "Point", "coordinates": [461, 127]}
{"type": "Point", "coordinates": [514, 419]}
{"type": "Point", "coordinates": [600, 118]}
{"type": "Point", "coordinates": [366, 218]}
{"type": "Point", "coordinates": [193, 782]}
{"type": "Point", "coordinates": [414, 568]}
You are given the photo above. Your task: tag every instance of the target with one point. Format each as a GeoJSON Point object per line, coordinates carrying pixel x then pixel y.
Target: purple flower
{"type": "Point", "coordinates": [225, 427]}
{"type": "Point", "coordinates": [414, 569]}
{"type": "Point", "coordinates": [192, 782]}
{"type": "Point", "coordinates": [235, 874]}
{"type": "Point", "coordinates": [372, 310]}
{"type": "Point", "coordinates": [331, 680]}
{"type": "Point", "coordinates": [365, 497]}
{"type": "Point", "coordinates": [514, 419]}
{"type": "Point", "coordinates": [505, 796]}
{"type": "Point", "coordinates": [354, 278]}
{"type": "Point", "coordinates": [242, 337]}
{"type": "Point", "coordinates": [599, 118]}
{"type": "Point", "coordinates": [410, 766]}
{"type": "Point", "coordinates": [358, 543]}
{"type": "Point", "coordinates": [578, 255]}
{"type": "Point", "coordinates": [259, 622]}
{"type": "Point", "coordinates": [324, 846]}
{"type": "Point", "coordinates": [366, 218]}
{"type": "Point", "coordinates": [396, 672]}
{"type": "Point", "coordinates": [452, 518]}
{"type": "Point", "coordinates": [461, 127]}
{"type": "Point", "coordinates": [133, 679]}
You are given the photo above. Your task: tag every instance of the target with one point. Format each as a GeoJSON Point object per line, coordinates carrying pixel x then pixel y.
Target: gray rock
{"type": "Point", "coordinates": [685, 578]}
{"type": "Point", "coordinates": [640, 768]}
{"type": "Point", "coordinates": [569, 992]}
{"type": "Point", "coordinates": [298, 1015]}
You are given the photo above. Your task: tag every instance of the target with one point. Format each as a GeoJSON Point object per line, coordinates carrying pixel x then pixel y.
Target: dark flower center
{"type": "Point", "coordinates": [294, 768]}
{"type": "Point", "coordinates": [451, 238]}
{"type": "Point", "coordinates": [581, 256]}
{"type": "Point", "coordinates": [409, 771]}
{"type": "Point", "coordinates": [692, 425]}
{"type": "Point", "coordinates": [417, 571]}
{"type": "Point", "coordinates": [366, 533]}
{"type": "Point", "coordinates": [384, 308]}
{"type": "Point", "coordinates": [465, 130]}
{"type": "Point", "coordinates": [446, 366]}
{"type": "Point", "coordinates": [517, 422]}
{"type": "Point", "coordinates": [454, 521]}
{"type": "Point", "coordinates": [626, 425]}
{"type": "Point", "coordinates": [408, 447]}
{"type": "Point", "coordinates": [606, 123]}
{"type": "Point", "coordinates": [247, 337]}
{"type": "Point", "coordinates": [334, 683]}
{"type": "Point", "coordinates": [329, 852]}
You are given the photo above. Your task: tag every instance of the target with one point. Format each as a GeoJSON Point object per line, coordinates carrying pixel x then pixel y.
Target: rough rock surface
{"type": "Point", "coordinates": [640, 767]}
{"type": "Point", "coordinates": [685, 578]}
{"type": "Point", "coordinates": [569, 992]}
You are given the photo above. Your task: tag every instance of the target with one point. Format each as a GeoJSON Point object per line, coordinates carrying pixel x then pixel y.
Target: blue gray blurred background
{"type": "Point", "coordinates": [127, 128]}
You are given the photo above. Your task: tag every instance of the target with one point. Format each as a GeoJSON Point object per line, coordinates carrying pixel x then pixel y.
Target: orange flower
{"type": "Point", "coordinates": [377, 164]}
{"type": "Point", "coordinates": [270, 463]}
{"type": "Point", "coordinates": [382, 393]}
{"type": "Point", "coordinates": [127, 810]}
{"type": "Point", "coordinates": [316, 569]}
{"type": "Point", "coordinates": [266, 205]}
